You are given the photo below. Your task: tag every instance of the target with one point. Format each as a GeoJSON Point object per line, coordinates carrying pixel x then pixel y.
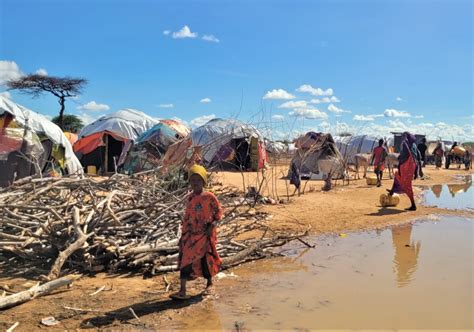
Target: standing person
{"type": "Point", "coordinates": [198, 255]}
{"type": "Point", "coordinates": [378, 160]}
{"type": "Point", "coordinates": [438, 155]}
{"type": "Point", "coordinates": [407, 167]}
{"type": "Point", "coordinates": [422, 147]}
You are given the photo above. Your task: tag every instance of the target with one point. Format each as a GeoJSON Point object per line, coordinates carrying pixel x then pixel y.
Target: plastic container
{"type": "Point", "coordinates": [387, 200]}
{"type": "Point", "coordinates": [91, 170]}
{"type": "Point", "coordinates": [371, 180]}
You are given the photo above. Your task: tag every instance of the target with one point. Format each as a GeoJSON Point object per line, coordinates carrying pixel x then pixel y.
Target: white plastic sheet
{"type": "Point", "coordinates": [40, 124]}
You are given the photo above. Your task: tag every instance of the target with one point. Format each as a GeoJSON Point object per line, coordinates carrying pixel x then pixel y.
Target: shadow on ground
{"type": "Point", "coordinates": [383, 211]}
{"type": "Point", "coordinates": [125, 315]}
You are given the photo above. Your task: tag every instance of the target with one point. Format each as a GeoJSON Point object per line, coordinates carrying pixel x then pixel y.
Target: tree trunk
{"type": "Point", "coordinates": [62, 100]}
{"type": "Point", "coordinates": [35, 291]}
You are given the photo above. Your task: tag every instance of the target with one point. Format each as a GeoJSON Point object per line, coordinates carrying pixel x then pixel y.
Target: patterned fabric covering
{"type": "Point", "coordinates": [194, 244]}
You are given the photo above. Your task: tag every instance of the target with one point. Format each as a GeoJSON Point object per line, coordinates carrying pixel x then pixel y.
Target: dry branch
{"type": "Point", "coordinates": [34, 292]}
{"type": "Point", "coordinates": [120, 223]}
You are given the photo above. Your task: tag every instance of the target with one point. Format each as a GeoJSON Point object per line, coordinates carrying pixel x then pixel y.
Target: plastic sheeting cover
{"type": "Point", "coordinates": [127, 123]}
{"type": "Point", "coordinates": [349, 146]}
{"type": "Point", "coordinates": [219, 132]}
{"type": "Point", "coordinates": [39, 124]}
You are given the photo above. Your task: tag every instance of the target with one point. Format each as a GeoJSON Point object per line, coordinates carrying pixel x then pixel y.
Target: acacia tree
{"type": "Point", "coordinates": [61, 87]}
{"type": "Point", "coordinates": [71, 123]}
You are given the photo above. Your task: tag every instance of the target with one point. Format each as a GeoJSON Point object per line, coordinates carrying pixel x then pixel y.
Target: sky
{"type": "Point", "coordinates": [364, 67]}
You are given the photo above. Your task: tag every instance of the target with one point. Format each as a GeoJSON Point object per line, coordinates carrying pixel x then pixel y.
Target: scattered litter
{"type": "Point", "coordinates": [49, 321]}
{"type": "Point", "coordinates": [134, 314]}
{"type": "Point", "coordinates": [98, 291]}
{"type": "Point", "coordinates": [14, 326]}
{"type": "Point", "coordinates": [222, 275]}
{"type": "Point", "coordinates": [342, 235]}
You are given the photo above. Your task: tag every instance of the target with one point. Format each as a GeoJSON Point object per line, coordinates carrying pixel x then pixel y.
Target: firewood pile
{"type": "Point", "coordinates": [121, 223]}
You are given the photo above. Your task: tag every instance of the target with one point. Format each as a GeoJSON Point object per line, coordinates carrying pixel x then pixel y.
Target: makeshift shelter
{"type": "Point", "coordinates": [312, 149]}
{"type": "Point", "coordinates": [72, 138]}
{"type": "Point", "coordinates": [349, 146]}
{"type": "Point", "coordinates": [229, 143]}
{"type": "Point", "coordinates": [181, 154]}
{"type": "Point", "coordinates": [397, 136]}
{"type": "Point", "coordinates": [101, 143]}
{"type": "Point", "coordinates": [147, 150]}
{"type": "Point", "coordinates": [31, 144]}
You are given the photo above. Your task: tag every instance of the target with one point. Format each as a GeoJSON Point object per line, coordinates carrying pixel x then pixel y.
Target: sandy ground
{"type": "Point", "coordinates": [350, 207]}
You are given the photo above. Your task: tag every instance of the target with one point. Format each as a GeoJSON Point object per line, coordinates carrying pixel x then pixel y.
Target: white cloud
{"type": "Point", "coordinates": [359, 117]}
{"type": "Point", "coordinates": [199, 121]}
{"type": "Point", "coordinates": [294, 104]}
{"type": "Point", "coordinates": [325, 100]}
{"type": "Point", "coordinates": [93, 107]}
{"type": "Point", "coordinates": [6, 94]}
{"type": "Point", "coordinates": [166, 105]}
{"type": "Point", "coordinates": [278, 94]}
{"type": "Point", "coordinates": [315, 91]}
{"type": "Point", "coordinates": [400, 99]}
{"type": "Point", "coordinates": [419, 116]}
{"type": "Point", "coordinates": [86, 118]}
{"type": "Point", "coordinates": [166, 32]}
{"type": "Point", "coordinates": [308, 113]}
{"type": "Point", "coordinates": [337, 110]}
{"type": "Point", "coordinates": [205, 100]}
{"type": "Point", "coordinates": [9, 70]}
{"type": "Point", "coordinates": [41, 72]}
{"type": "Point", "coordinates": [185, 32]}
{"type": "Point", "coordinates": [393, 113]}
{"type": "Point", "coordinates": [278, 117]}
{"type": "Point", "coordinates": [210, 38]}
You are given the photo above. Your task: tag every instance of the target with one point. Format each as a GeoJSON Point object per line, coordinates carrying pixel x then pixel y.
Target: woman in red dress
{"type": "Point", "coordinates": [198, 255]}
{"type": "Point", "coordinates": [406, 169]}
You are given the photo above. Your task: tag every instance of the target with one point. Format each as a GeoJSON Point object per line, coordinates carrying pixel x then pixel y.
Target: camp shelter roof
{"type": "Point", "coordinates": [41, 125]}
{"type": "Point", "coordinates": [313, 147]}
{"type": "Point", "coordinates": [349, 146]}
{"type": "Point", "coordinates": [126, 123]}
{"type": "Point", "coordinates": [230, 128]}
{"type": "Point", "coordinates": [123, 125]}
{"type": "Point", "coordinates": [71, 137]}
{"type": "Point", "coordinates": [159, 132]}
{"type": "Point", "coordinates": [218, 132]}
{"type": "Point", "coordinates": [179, 127]}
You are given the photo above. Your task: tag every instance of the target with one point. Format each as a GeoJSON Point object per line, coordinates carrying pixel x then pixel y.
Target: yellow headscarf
{"type": "Point", "coordinates": [199, 170]}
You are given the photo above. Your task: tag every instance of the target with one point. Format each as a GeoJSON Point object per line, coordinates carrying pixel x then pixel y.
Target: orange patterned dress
{"type": "Point", "coordinates": [198, 255]}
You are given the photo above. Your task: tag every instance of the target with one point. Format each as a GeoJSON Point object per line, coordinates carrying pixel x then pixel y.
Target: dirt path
{"type": "Point", "coordinates": [347, 208]}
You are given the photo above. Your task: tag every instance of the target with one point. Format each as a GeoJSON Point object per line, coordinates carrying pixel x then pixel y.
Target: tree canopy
{"type": "Point", "coordinates": [71, 123]}
{"type": "Point", "coordinates": [61, 87]}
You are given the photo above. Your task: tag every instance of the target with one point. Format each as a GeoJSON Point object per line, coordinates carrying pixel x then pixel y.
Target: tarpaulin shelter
{"type": "Point", "coordinates": [72, 138]}
{"type": "Point", "coordinates": [311, 149]}
{"type": "Point", "coordinates": [31, 144]}
{"type": "Point", "coordinates": [147, 150]}
{"type": "Point", "coordinates": [349, 146]}
{"type": "Point", "coordinates": [230, 143]}
{"type": "Point", "coordinates": [101, 143]}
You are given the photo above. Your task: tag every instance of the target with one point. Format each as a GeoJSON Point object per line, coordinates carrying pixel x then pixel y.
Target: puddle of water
{"type": "Point", "coordinates": [410, 277]}
{"type": "Point", "coordinates": [451, 196]}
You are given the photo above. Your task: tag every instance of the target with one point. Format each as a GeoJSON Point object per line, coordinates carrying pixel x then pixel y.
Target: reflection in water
{"type": "Point", "coordinates": [437, 189]}
{"type": "Point", "coordinates": [406, 254]}
{"type": "Point", "coordinates": [459, 188]}
{"type": "Point", "coordinates": [451, 196]}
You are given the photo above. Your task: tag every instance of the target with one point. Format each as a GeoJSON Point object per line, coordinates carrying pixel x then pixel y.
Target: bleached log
{"type": "Point", "coordinates": [34, 292]}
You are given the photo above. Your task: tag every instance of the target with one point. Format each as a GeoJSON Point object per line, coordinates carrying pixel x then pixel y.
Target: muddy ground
{"type": "Point", "coordinates": [350, 207]}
